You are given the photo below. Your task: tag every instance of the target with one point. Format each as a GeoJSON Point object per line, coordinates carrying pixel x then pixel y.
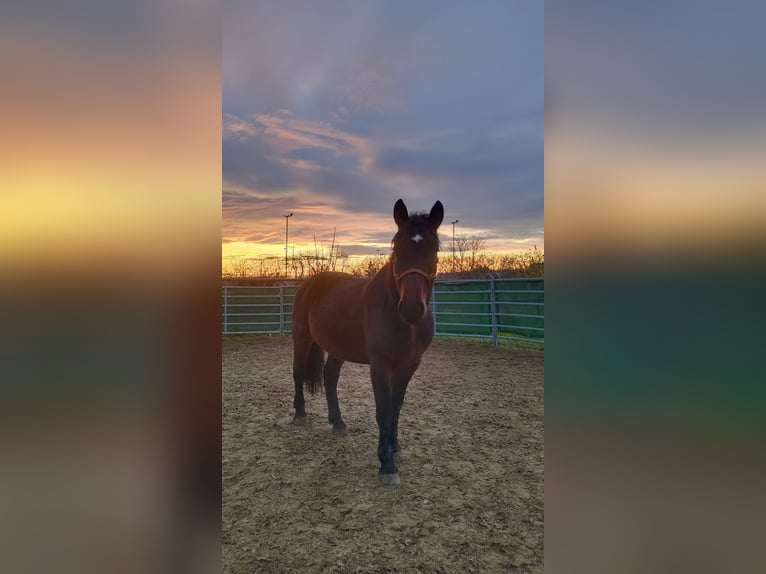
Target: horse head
{"type": "Point", "coordinates": [414, 259]}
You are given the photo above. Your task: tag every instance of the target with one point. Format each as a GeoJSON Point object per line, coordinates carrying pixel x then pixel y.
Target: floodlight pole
{"type": "Point", "coordinates": [453, 237]}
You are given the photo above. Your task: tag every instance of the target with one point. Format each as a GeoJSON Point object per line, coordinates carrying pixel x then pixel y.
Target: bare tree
{"type": "Point", "coordinates": [322, 259]}
{"type": "Point", "coordinates": [369, 266]}
{"type": "Point", "coordinates": [240, 267]}
{"type": "Point", "coordinates": [529, 263]}
{"type": "Point", "coordinates": [468, 249]}
{"type": "Point", "coordinates": [471, 259]}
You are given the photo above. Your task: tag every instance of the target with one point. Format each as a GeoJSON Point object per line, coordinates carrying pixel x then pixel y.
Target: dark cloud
{"type": "Point", "coordinates": [251, 162]}
{"type": "Point", "coordinates": [482, 160]}
{"type": "Point", "coordinates": [356, 107]}
{"type": "Point", "coordinates": [492, 175]}
{"type": "Point", "coordinates": [490, 182]}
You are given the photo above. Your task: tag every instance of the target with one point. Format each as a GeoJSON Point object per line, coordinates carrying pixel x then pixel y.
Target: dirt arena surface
{"type": "Point", "coordinates": [302, 499]}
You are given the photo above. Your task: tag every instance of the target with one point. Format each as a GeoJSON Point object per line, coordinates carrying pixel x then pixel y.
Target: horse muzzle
{"type": "Point", "coordinates": [412, 310]}
{"type": "Point", "coordinates": [414, 288]}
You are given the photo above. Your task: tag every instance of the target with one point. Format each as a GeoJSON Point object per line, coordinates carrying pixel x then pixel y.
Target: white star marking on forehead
{"type": "Point", "coordinates": [418, 238]}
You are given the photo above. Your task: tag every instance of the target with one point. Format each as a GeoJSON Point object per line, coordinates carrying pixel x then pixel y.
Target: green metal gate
{"type": "Point", "coordinates": [495, 309]}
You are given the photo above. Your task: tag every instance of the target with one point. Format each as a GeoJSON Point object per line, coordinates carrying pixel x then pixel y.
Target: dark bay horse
{"type": "Point", "coordinates": [384, 321]}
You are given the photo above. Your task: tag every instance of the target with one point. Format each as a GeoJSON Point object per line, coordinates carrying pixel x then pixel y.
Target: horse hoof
{"type": "Point", "coordinates": [390, 479]}
{"type": "Point", "coordinates": [299, 421]}
{"type": "Point", "coordinates": [340, 431]}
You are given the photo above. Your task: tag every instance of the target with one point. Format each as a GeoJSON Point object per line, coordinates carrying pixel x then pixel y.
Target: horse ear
{"type": "Point", "coordinates": [436, 216]}
{"type": "Point", "coordinates": [401, 215]}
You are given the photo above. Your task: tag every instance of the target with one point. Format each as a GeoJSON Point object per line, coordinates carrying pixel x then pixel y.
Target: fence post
{"type": "Point", "coordinates": [225, 309]}
{"type": "Point", "coordinates": [433, 306]}
{"type": "Point", "coordinates": [281, 310]}
{"type": "Point", "coordinates": [493, 309]}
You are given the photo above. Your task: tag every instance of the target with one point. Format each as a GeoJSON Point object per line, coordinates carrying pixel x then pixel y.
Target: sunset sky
{"type": "Point", "coordinates": [334, 110]}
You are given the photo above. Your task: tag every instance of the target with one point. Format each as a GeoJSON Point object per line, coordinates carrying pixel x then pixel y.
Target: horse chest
{"type": "Point", "coordinates": [401, 346]}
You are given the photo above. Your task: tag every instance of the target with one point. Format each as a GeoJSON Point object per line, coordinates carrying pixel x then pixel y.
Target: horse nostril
{"type": "Point", "coordinates": [411, 311]}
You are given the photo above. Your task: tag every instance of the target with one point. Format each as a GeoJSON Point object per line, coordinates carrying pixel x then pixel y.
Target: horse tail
{"type": "Point", "coordinates": [314, 367]}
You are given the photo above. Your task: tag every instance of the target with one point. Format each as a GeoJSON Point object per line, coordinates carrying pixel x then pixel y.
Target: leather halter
{"type": "Point", "coordinates": [399, 276]}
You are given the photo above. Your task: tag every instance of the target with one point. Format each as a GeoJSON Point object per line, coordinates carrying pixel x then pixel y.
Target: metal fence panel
{"type": "Point", "coordinates": [249, 309]}
{"type": "Point", "coordinates": [495, 309]}
{"type": "Point", "coordinates": [520, 308]}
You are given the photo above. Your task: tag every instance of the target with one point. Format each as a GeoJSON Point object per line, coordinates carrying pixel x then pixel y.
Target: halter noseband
{"type": "Point", "coordinates": [399, 276]}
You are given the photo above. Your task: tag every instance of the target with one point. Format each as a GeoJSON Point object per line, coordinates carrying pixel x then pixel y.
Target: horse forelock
{"type": "Point", "coordinates": [417, 225]}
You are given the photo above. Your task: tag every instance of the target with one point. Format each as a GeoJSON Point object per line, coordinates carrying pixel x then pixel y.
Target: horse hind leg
{"type": "Point", "coordinates": [331, 374]}
{"type": "Point", "coordinates": [299, 403]}
{"type": "Point", "coordinates": [308, 360]}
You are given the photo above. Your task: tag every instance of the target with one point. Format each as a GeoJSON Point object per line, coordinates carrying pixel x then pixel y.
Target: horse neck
{"type": "Point", "coordinates": [384, 280]}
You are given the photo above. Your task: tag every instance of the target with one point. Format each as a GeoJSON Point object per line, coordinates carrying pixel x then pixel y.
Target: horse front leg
{"type": "Point", "coordinates": [384, 414]}
{"type": "Point", "coordinates": [399, 384]}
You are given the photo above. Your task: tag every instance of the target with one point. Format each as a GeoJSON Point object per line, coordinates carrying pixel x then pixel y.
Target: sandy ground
{"type": "Point", "coordinates": [302, 499]}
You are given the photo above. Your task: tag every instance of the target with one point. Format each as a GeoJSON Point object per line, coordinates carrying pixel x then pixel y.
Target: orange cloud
{"type": "Point", "coordinates": [290, 134]}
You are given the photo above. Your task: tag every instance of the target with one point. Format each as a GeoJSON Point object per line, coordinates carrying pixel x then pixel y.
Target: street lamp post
{"type": "Point", "coordinates": [287, 218]}
{"type": "Point", "coordinates": [453, 242]}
